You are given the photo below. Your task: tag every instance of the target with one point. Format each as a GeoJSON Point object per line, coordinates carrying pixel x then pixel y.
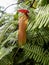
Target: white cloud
{"type": "Point", "coordinates": [5, 3]}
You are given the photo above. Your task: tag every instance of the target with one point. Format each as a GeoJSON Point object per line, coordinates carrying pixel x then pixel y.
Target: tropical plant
{"type": "Point", "coordinates": [36, 49]}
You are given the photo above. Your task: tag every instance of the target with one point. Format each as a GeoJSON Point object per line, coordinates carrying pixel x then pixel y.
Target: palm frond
{"type": "Point", "coordinates": [41, 19]}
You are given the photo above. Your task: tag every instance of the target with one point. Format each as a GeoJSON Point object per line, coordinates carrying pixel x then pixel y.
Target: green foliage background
{"type": "Point", "coordinates": [36, 49]}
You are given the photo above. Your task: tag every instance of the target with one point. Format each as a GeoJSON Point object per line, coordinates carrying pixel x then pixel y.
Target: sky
{"type": "Point", "coordinates": [6, 3]}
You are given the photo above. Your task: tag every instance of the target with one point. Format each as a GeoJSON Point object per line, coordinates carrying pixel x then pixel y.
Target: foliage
{"type": "Point", "coordinates": [36, 49]}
